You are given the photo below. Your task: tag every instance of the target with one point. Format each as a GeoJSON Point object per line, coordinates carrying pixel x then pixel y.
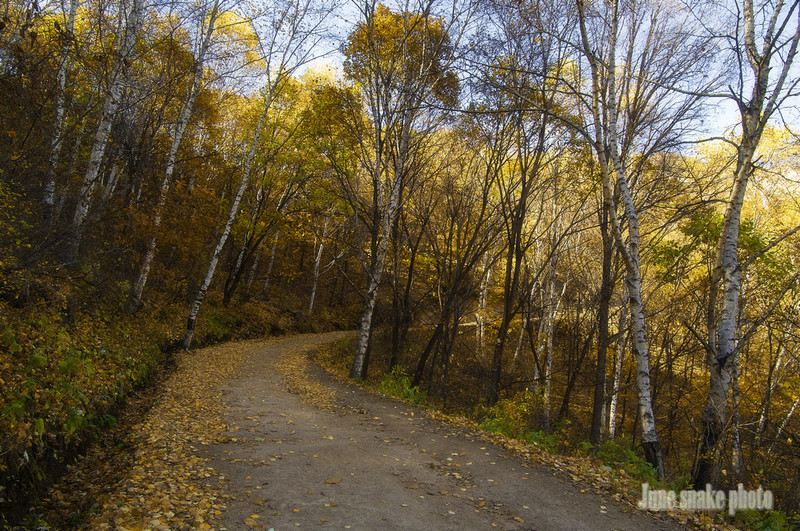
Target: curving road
{"type": "Point", "coordinates": [372, 463]}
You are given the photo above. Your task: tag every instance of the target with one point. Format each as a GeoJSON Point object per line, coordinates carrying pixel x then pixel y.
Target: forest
{"type": "Point", "coordinates": [571, 218]}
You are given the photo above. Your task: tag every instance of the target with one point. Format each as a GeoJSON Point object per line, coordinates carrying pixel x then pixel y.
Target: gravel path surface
{"type": "Point", "coordinates": [362, 461]}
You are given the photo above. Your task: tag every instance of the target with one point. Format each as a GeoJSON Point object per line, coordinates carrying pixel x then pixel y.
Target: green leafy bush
{"type": "Point", "coordinates": [621, 456]}
{"type": "Point", "coordinates": [397, 384]}
{"type": "Point", "coordinates": [543, 440]}
{"type": "Point", "coordinates": [763, 521]}
{"type": "Point", "coordinates": [513, 417]}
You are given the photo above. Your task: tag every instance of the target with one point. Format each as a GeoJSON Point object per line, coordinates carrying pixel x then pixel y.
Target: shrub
{"type": "Point", "coordinates": [397, 384]}
{"type": "Point", "coordinates": [511, 416]}
{"type": "Point", "coordinates": [618, 456]}
{"type": "Point", "coordinates": [543, 440]}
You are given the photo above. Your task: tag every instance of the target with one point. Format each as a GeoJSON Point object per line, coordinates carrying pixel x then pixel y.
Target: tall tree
{"type": "Point", "coordinates": [206, 17]}
{"type": "Point", "coordinates": [763, 44]}
{"type": "Point", "coordinates": [67, 36]}
{"type": "Point", "coordinates": [519, 67]}
{"type": "Point", "coordinates": [401, 63]}
{"type": "Point", "coordinates": [130, 21]}
{"type": "Point", "coordinates": [287, 40]}
{"type": "Point", "coordinates": [638, 57]}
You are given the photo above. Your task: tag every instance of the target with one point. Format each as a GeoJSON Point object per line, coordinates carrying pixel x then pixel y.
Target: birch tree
{"type": "Point", "coordinates": [207, 19]}
{"type": "Point", "coordinates": [762, 47]}
{"type": "Point", "coordinates": [131, 16]}
{"type": "Point", "coordinates": [638, 58]}
{"type": "Point", "coordinates": [287, 40]}
{"type": "Point", "coordinates": [401, 62]}
{"type": "Point", "coordinates": [66, 35]}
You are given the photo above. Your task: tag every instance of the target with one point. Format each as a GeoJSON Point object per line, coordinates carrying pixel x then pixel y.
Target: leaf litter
{"type": "Point", "coordinates": [150, 474]}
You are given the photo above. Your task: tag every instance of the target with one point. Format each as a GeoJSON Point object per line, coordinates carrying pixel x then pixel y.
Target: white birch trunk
{"type": "Point", "coordinates": [774, 377]}
{"type": "Point", "coordinates": [480, 315]}
{"type": "Point", "coordinates": [388, 198]}
{"type": "Point", "coordinates": [540, 347]}
{"type": "Point", "coordinates": [755, 109]}
{"type": "Point", "coordinates": [251, 275]}
{"type": "Point", "coordinates": [110, 185]}
{"type": "Point", "coordinates": [270, 265]}
{"type": "Point", "coordinates": [553, 307]}
{"type": "Point", "coordinates": [737, 458]}
{"type": "Point", "coordinates": [520, 338]}
{"type": "Point", "coordinates": [524, 327]}
{"type": "Point", "coordinates": [783, 425]}
{"type": "Point", "coordinates": [317, 262]}
{"type": "Point", "coordinates": [610, 161]}
{"type": "Point", "coordinates": [621, 347]}
{"type": "Point", "coordinates": [58, 114]}
{"type": "Point", "coordinates": [128, 33]}
{"type": "Point", "coordinates": [360, 361]}
{"type": "Point", "coordinates": [198, 301]}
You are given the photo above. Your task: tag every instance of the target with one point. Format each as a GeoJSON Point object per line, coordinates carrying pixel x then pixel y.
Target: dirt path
{"type": "Point", "coordinates": [228, 446]}
{"type": "Point", "coordinates": [374, 463]}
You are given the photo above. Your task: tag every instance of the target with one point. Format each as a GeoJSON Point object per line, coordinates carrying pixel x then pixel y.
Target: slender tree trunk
{"type": "Point", "coordinates": [603, 339]}
{"type": "Point", "coordinates": [608, 153]}
{"type": "Point", "coordinates": [783, 425]}
{"type": "Point", "coordinates": [397, 312]}
{"type": "Point", "coordinates": [553, 305]}
{"type": "Point", "coordinates": [756, 109]}
{"type": "Point", "coordinates": [737, 458]}
{"type": "Point", "coordinates": [251, 274]}
{"type": "Point", "coordinates": [390, 210]}
{"type": "Point", "coordinates": [58, 115]}
{"type": "Point", "coordinates": [772, 384]}
{"type": "Point", "coordinates": [423, 359]}
{"type": "Point", "coordinates": [358, 370]}
{"type": "Point", "coordinates": [480, 315]}
{"type": "Point", "coordinates": [201, 293]}
{"type": "Point", "coordinates": [520, 338]}
{"type": "Point", "coordinates": [128, 33]}
{"type": "Point", "coordinates": [621, 348]}
{"type": "Point", "coordinates": [317, 262]}
{"type": "Point", "coordinates": [183, 120]}
{"type": "Point", "coordinates": [513, 259]}
{"type": "Point", "coordinates": [270, 265]}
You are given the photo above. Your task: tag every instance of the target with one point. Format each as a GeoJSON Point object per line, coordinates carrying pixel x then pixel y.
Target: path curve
{"type": "Point", "coordinates": [375, 463]}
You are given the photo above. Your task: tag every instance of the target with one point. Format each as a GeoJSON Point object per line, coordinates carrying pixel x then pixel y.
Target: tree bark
{"type": "Point", "coordinates": [603, 339]}
{"type": "Point", "coordinates": [270, 265]}
{"type": "Point", "coordinates": [67, 37]}
{"type": "Point", "coordinates": [621, 349]}
{"type": "Point", "coordinates": [317, 262]}
{"type": "Point", "coordinates": [726, 279]}
{"type": "Point", "coordinates": [608, 152]}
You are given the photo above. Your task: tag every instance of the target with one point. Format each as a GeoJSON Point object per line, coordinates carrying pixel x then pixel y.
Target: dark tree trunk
{"type": "Point", "coordinates": [423, 359]}
{"type": "Point", "coordinates": [603, 340]}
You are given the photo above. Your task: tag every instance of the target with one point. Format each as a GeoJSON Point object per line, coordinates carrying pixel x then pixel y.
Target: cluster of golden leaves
{"type": "Point", "coordinates": [156, 478]}
{"type": "Point", "coordinates": [295, 367]}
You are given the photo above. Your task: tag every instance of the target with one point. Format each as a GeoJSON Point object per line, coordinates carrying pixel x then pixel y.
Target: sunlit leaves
{"type": "Point", "coordinates": [404, 50]}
